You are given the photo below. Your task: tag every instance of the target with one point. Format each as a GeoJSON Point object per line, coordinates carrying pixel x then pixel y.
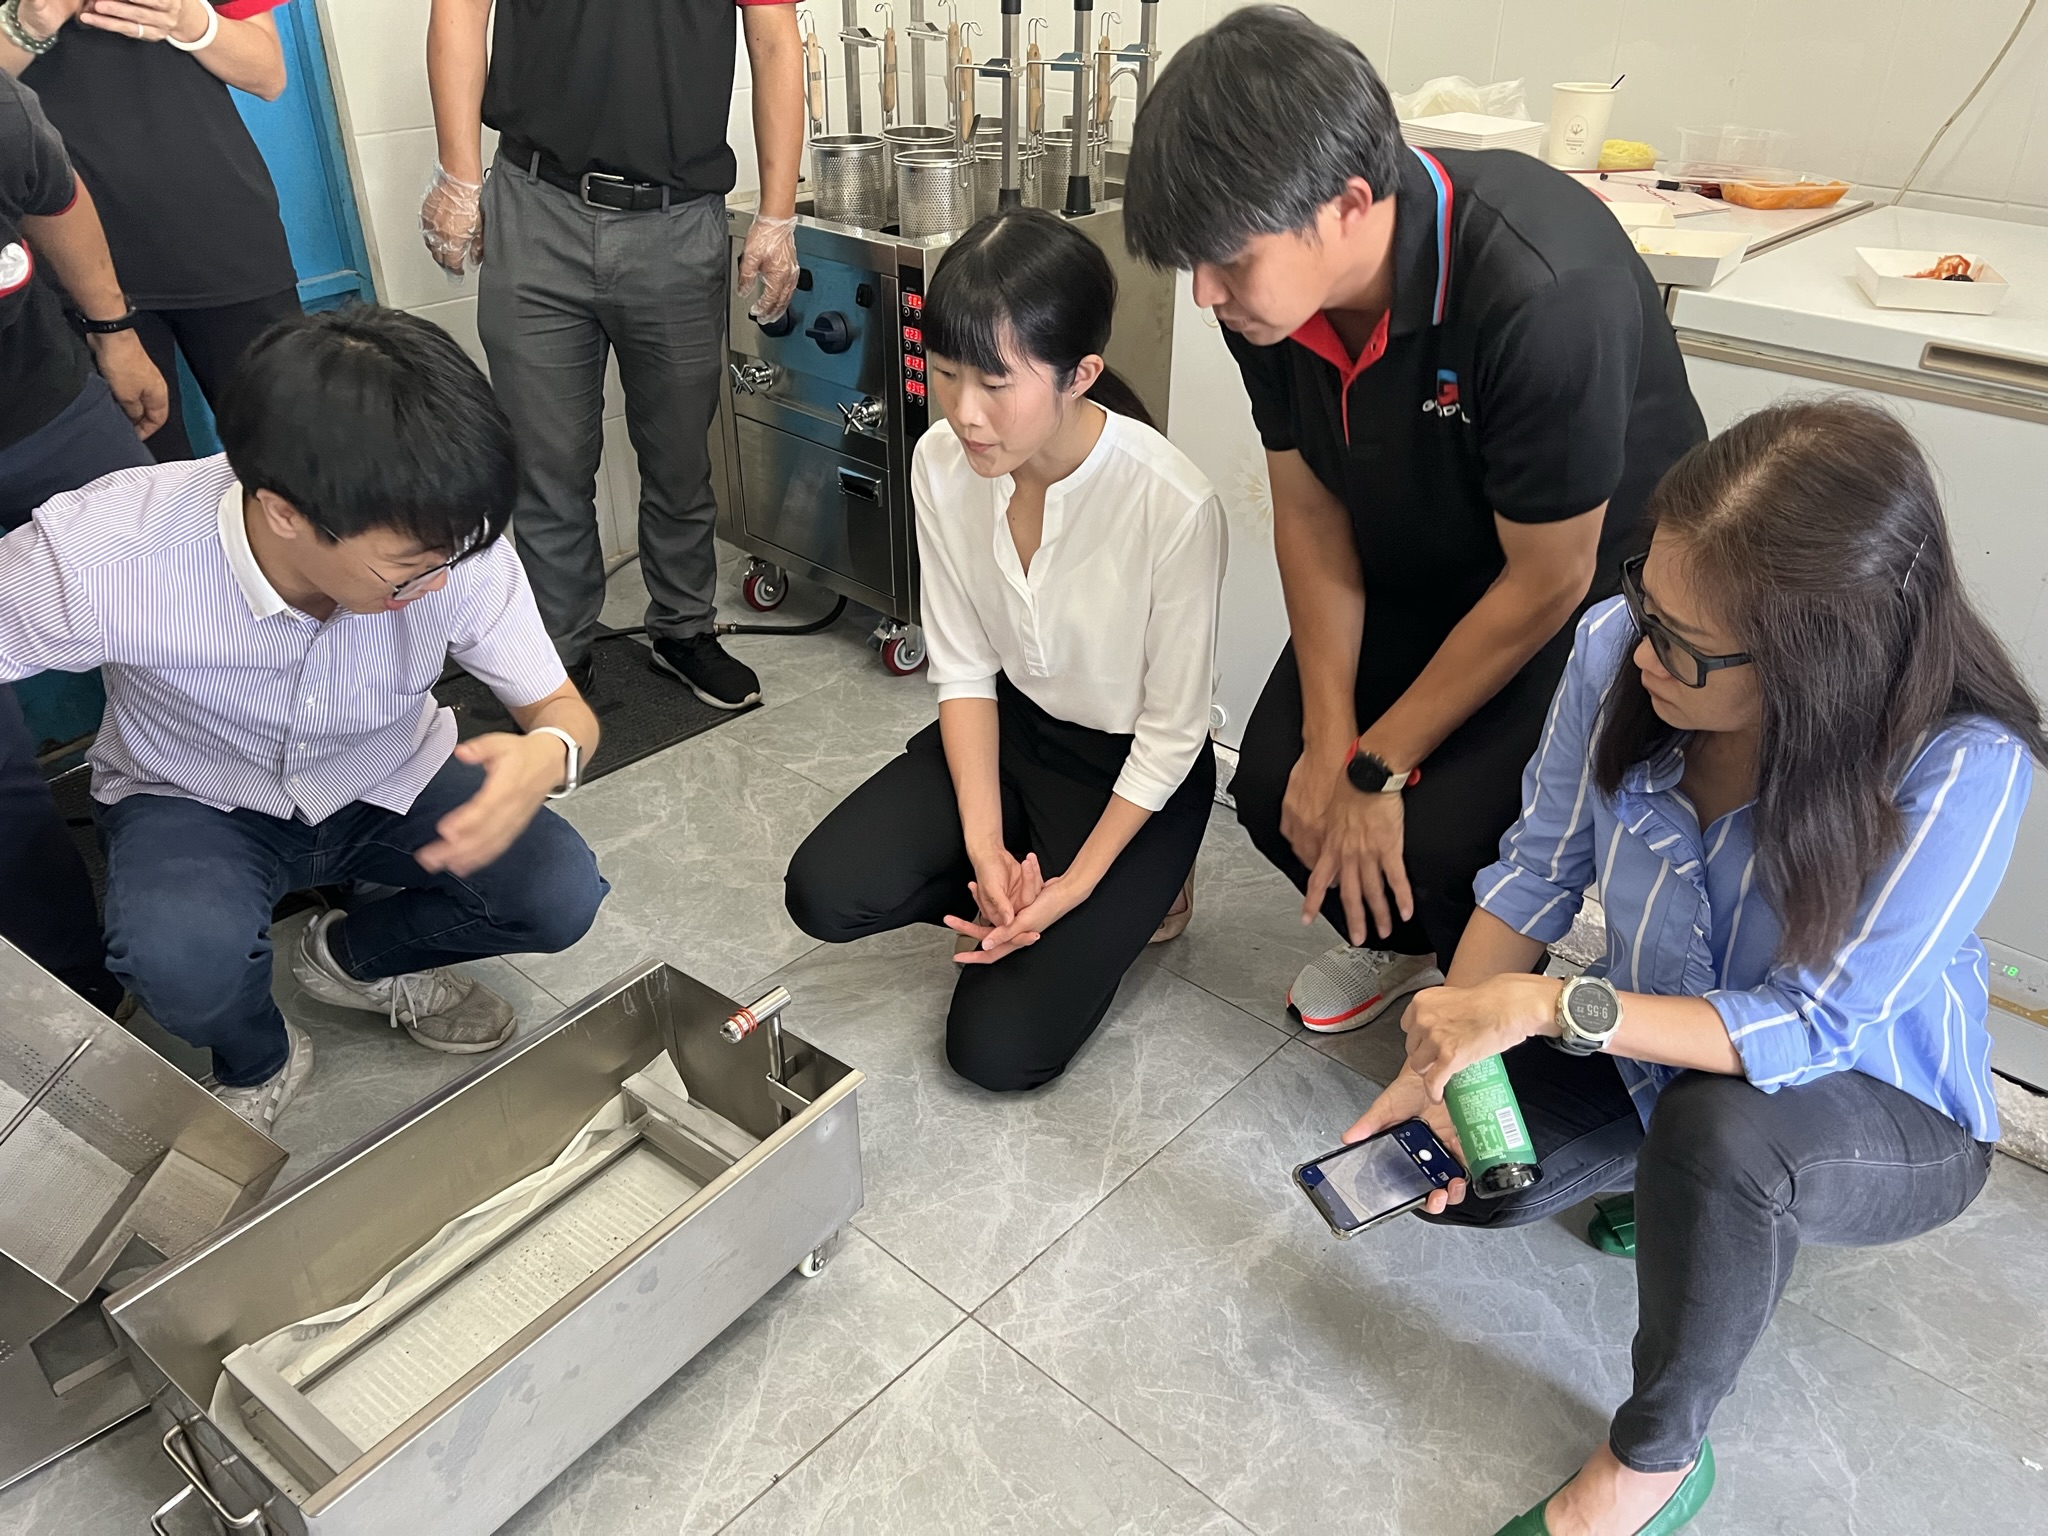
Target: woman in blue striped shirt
{"type": "Point", "coordinates": [1790, 763]}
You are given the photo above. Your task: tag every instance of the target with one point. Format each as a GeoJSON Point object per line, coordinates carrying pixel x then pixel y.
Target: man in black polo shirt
{"type": "Point", "coordinates": [1466, 387]}
{"type": "Point", "coordinates": [602, 228]}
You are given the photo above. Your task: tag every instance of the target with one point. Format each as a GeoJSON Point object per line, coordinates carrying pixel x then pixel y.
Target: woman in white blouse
{"type": "Point", "coordinates": [1072, 563]}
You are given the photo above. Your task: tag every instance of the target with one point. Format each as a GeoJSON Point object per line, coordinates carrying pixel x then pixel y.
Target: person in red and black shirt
{"type": "Point", "coordinates": [1466, 387]}
{"type": "Point", "coordinates": [139, 90]}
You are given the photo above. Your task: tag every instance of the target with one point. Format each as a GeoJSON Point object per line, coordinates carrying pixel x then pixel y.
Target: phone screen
{"type": "Point", "coordinates": [1379, 1176]}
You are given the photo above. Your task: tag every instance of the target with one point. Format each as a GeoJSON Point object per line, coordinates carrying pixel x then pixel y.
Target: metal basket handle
{"type": "Point", "coordinates": [195, 1482]}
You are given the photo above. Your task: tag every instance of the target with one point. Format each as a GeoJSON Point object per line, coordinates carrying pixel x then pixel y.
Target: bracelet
{"type": "Point", "coordinates": [204, 40]}
{"type": "Point", "coordinates": [20, 36]}
{"type": "Point", "coordinates": [92, 327]}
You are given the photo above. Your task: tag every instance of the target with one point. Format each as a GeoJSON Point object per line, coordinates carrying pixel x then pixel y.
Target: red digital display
{"type": "Point", "coordinates": [914, 364]}
{"type": "Point", "coordinates": [912, 336]}
{"type": "Point", "coordinates": [914, 388]}
{"type": "Point", "coordinates": [913, 302]}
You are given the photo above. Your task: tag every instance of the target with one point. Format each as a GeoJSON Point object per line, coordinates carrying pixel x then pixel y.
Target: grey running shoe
{"type": "Point", "coordinates": [1348, 988]}
{"type": "Point", "coordinates": [439, 1009]}
{"type": "Point", "coordinates": [263, 1102]}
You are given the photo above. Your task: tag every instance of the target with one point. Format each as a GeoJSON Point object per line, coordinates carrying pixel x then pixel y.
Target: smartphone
{"type": "Point", "coordinates": [1377, 1179]}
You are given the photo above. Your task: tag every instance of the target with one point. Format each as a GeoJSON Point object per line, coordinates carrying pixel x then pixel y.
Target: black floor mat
{"type": "Point", "coordinates": [641, 710]}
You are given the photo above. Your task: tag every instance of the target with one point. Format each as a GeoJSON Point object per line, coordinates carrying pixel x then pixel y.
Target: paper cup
{"type": "Point", "coordinates": [1578, 124]}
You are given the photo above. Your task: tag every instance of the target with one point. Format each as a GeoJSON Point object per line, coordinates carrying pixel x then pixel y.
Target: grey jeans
{"type": "Point", "coordinates": [561, 285]}
{"type": "Point", "coordinates": [1729, 1181]}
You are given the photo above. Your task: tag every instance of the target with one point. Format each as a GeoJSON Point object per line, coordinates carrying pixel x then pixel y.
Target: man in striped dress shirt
{"type": "Point", "coordinates": [271, 623]}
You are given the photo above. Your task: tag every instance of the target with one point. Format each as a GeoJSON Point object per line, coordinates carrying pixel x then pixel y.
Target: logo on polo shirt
{"type": "Point", "coordinates": [16, 268]}
{"type": "Point", "coordinates": [1445, 401]}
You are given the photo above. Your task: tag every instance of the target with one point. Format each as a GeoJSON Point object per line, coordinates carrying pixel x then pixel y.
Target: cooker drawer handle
{"type": "Point", "coordinates": [195, 1482]}
{"type": "Point", "coordinates": [859, 486]}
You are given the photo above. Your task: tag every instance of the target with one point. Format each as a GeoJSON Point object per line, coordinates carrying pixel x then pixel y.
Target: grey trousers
{"type": "Point", "coordinates": [1729, 1181]}
{"type": "Point", "coordinates": [561, 285]}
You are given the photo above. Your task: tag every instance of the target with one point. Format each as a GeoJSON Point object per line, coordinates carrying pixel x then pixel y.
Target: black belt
{"type": "Point", "coordinates": [598, 189]}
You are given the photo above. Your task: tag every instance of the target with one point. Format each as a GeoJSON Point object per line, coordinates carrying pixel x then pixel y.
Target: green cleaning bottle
{"type": "Point", "coordinates": [1499, 1158]}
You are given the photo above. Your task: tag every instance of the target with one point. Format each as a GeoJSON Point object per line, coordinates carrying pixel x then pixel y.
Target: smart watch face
{"type": "Point", "coordinates": [1368, 775]}
{"type": "Point", "coordinates": [1594, 1009]}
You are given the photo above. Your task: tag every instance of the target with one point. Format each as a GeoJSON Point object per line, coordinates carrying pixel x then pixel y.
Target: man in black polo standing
{"type": "Point", "coordinates": [602, 228]}
{"type": "Point", "coordinates": [1466, 388]}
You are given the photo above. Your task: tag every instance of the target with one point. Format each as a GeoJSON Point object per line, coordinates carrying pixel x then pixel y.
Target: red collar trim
{"type": "Point", "coordinates": [1321, 338]}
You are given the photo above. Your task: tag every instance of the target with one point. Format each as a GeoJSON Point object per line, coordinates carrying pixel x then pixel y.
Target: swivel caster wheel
{"type": "Point", "coordinates": [813, 1264]}
{"type": "Point", "coordinates": [903, 653]}
{"type": "Point", "coordinates": [764, 587]}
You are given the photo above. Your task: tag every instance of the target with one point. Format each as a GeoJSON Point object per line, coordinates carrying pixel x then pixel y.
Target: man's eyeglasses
{"type": "Point", "coordinates": [412, 586]}
{"type": "Point", "coordinates": [1684, 661]}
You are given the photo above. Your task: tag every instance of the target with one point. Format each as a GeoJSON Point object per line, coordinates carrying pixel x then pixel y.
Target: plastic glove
{"type": "Point", "coordinates": [452, 221]}
{"type": "Point", "coordinates": [770, 255]}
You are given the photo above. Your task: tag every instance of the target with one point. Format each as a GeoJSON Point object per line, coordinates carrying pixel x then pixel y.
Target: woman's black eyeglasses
{"type": "Point", "coordinates": [1686, 662]}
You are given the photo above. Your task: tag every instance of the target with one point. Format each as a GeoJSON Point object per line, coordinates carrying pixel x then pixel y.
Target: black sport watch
{"type": "Point", "coordinates": [94, 327]}
{"type": "Point", "coordinates": [1370, 774]}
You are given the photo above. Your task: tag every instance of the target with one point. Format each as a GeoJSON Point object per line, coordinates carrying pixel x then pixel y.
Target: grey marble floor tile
{"type": "Point", "coordinates": [1204, 1310]}
{"type": "Point", "coordinates": [1965, 1303]}
{"type": "Point", "coordinates": [972, 1439]}
{"type": "Point", "coordinates": [1247, 940]}
{"type": "Point", "coordinates": [1207, 1311]}
{"type": "Point", "coordinates": [966, 1186]}
{"type": "Point", "coordinates": [841, 733]}
{"type": "Point", "coordinates": [694, 841]}
{"type": "Point", "coordinates": [746, 1410]}
{"type": "Point", "coordinates": [1826, 1433]}
{"type": "Point", "coordinates": [109, 1486]}
{"type": "Point", "coordinates": [1376, 1051]}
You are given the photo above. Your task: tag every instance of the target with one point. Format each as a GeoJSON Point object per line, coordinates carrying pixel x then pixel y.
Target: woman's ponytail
{"type": "Point", "coordinates": [1113, 393]}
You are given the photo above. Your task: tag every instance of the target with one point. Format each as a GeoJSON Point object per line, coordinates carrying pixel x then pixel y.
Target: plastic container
{"type": "Point", "coordinates": [1729, 147]}
{"type": "Point", "coordinates": [1887, 280]}
{"type": "Point", "coordinates": [1579, 110]}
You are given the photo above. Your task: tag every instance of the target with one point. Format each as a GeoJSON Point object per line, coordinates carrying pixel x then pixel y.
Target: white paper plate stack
{"type": "Point", "coordinates": [1474, 130]}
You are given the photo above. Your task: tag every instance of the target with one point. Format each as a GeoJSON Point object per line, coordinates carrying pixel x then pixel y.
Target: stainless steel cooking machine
{"type": "Point", "coordinates": [825, 405]}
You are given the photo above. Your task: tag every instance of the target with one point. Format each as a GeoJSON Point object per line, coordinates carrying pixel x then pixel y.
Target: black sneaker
{"type": "Point", "coordinates": [584, 675]}
{"type": "Point", "coordinates": [721, 680]}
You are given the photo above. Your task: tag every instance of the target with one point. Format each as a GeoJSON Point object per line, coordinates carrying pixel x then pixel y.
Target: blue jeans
{"type": "Point", "coordinates": [190, 890]}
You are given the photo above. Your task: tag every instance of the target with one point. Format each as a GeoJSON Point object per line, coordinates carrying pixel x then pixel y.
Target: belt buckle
{"type": "Point", "coordinates": [606, 178]}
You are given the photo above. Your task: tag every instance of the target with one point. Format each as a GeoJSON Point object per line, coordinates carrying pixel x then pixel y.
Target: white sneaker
{"type": "Point", "coordinates": [439, 1009]}
{"type": "Point", "coordinates": [263, 1102]}
{"type": "Point", "coordinates": [1348, 988]}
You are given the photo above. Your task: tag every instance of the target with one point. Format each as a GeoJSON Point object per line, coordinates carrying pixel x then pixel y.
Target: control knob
{"type": "Point", "coordinates": [753, 377]}
{"type": "Point", "coordinates": [831, 331]}
{"type": "Point", "coordinates": [865, 418]}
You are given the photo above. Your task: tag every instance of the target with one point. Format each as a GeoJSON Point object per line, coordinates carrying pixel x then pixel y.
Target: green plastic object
{"type": "Point", "coordinates": [1613, 1227]}
{"type": "Point", "coordinates": [1499, 1157]}
{"type": "Point", "coordinates": [1686, 1501]}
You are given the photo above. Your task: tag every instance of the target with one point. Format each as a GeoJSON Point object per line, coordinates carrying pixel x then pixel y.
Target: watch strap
{"type": "Point", "coordinates": [572, 769]}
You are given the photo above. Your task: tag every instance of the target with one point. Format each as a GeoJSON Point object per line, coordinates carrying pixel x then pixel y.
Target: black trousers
{"type": "Point", "coordinates": [213, 341]}
{"type": "Point", "coordinates": [893, 853]}
{"type": "Point", "coordinates": [1469, 795]}
{"type": "Point", "coordinates": [1729, 1182]}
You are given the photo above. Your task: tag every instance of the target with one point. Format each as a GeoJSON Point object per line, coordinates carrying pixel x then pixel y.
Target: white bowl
{"type": "Point", "coordinates": [1690, 258]}
{"type": "Point", "coordinates": [1886, 278]}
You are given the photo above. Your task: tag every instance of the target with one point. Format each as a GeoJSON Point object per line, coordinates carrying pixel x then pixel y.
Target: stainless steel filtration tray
{"type": "Point", "coordinates": [112, 1160]}
{"type": "Point", "coordinates": [773, 1196]}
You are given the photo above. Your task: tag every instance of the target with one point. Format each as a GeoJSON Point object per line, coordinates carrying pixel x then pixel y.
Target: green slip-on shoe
{"type": "Point", "coordinates": [1613, 1227]}
{"type": "Point", "coordinates": [1686, 1500]}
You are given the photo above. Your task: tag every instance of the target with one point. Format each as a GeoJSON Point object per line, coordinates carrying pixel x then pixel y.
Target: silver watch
{"type": "Point", "coordinates": [572, 771]}
{"type": "Point", "coordinates": [1588, 1014]}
